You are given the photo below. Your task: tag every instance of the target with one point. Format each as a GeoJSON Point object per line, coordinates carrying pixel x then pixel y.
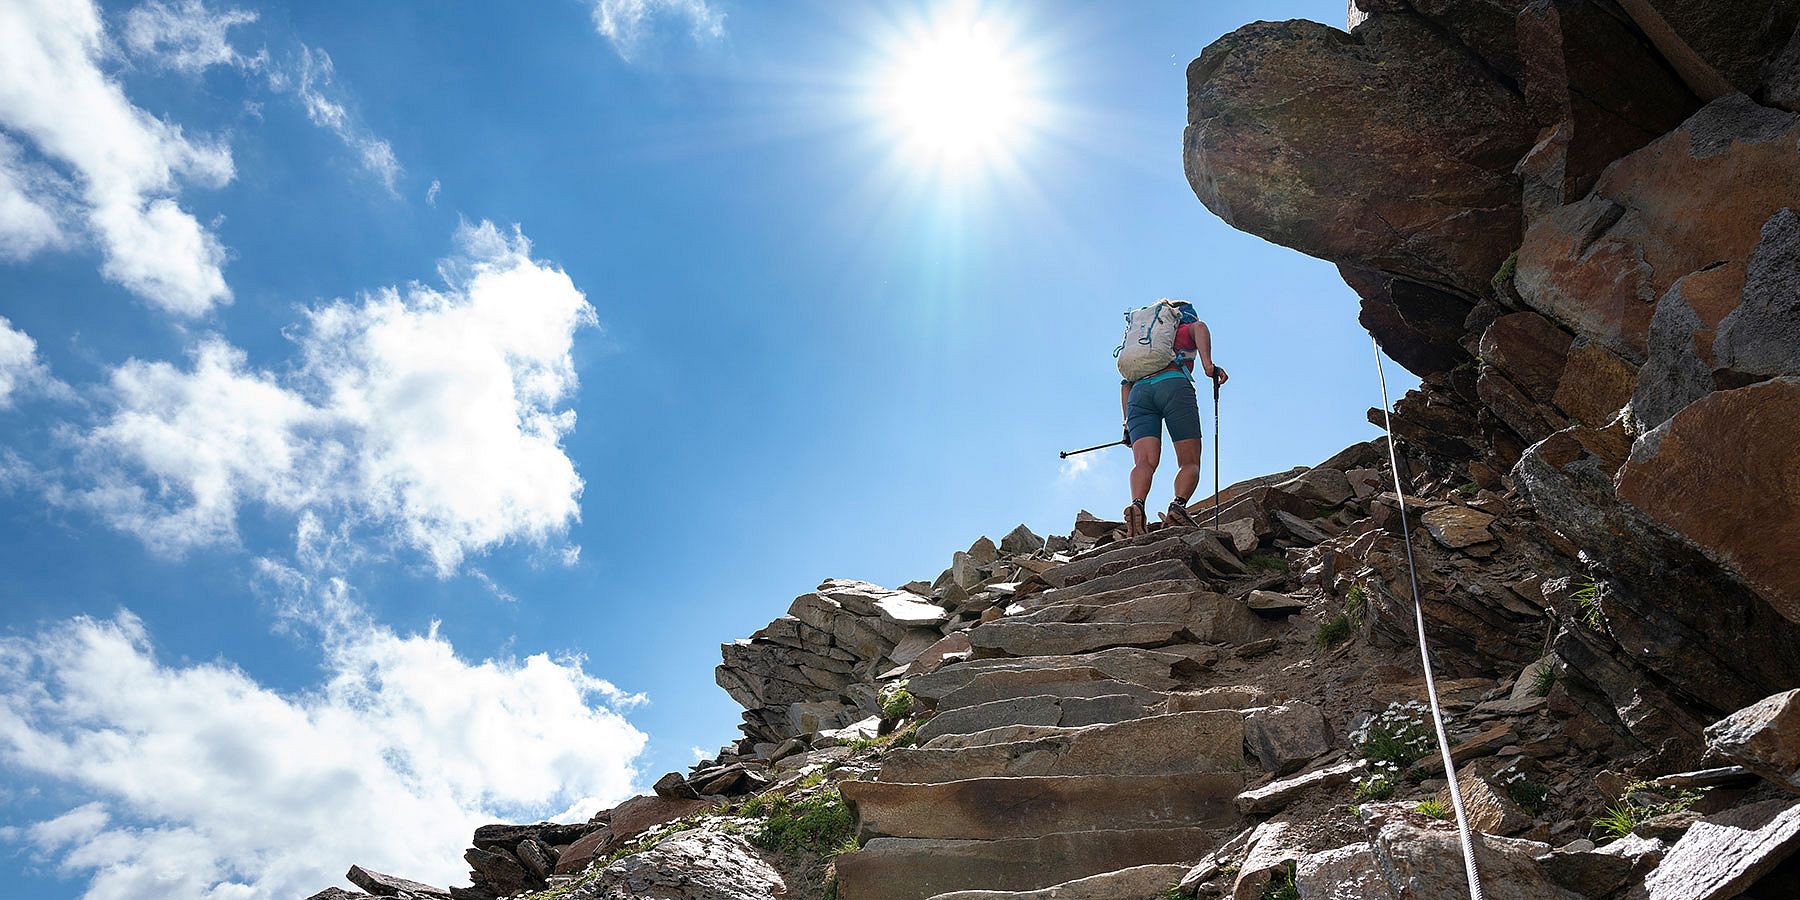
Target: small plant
{"type": "Point", "coordinates": [1506, 272]}
{"type": "Point", "coordinates": [1267, 562]}
{"type": "Point", "coordinates": [1434, 808]}
{"type": "Point", "coordinates": [1281, 885]}
{"type": "Point", "coordinates": [1399, 735]}
{"type": "Point", "coordinates": [1172, 892]}
{"type": "Point", "coordinates": [1356, 604]}
{"type": "Point", "coordinates": [1587, 597]}
{"type": "Point", "coordinates": [905, 737]}
{"type": "Point", "coordinates": [1465, 491]}
{"type": "Point", "coordinates": [1618, 820]}
{"type": "Point", "coordinates": [1639, 803]}
{"type": "Point", "coordinates": [1334, 631]}
{"type": "Point", "coordinates": [1375, 784]}
{"type": "Point", "coordinates": [1542, 681]}
{"type": "Point", "coordinates": [896, 702]}
{"type": "Point", "coordinates": [820, 823]}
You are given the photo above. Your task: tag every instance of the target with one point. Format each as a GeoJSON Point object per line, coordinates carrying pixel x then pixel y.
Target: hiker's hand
{"type": "Point", "coordinates": [1219, 376]}
{"type": "Point", "coordinates": [1126, 440]}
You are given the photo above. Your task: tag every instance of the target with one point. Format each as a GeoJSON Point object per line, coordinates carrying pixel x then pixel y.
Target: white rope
{"type": "Point", "coordinates": [1437, 715]}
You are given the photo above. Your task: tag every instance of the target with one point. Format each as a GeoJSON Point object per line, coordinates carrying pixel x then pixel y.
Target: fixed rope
{"type": "Point", "coordinates": [1437, 715]}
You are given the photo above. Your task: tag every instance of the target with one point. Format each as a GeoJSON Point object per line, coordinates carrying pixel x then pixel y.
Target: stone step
{"type": "Point", "coordinates": [1156, 745]}
{"type": "Point", "coordinates": [1209, 617]}
{"type": "Point", "coordinates": [990, 809]}
{"type": "Point", "coordinates": [1101, 598]}
{"type": "Point", "coordinates": [915, 869]}
{"type": "Point", "coordinates": [1135, 883]}
{"type": "Point", "coordinates": [1081, 681]}
{"type": "Point", "coordinates": [1040, 710]}
{"type": "Point", "coordinates": [1067, 638]}
{"type": "Point", "coordinates": [1118, 559]}
{"type": "Point", "coordinates": [1158, 670]}
{"type": "Point", "coordinates": [1148, 573]}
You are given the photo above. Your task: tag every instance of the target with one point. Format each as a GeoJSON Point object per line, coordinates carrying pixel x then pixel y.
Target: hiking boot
{"type": "Point", "coordinates": [1178, 515]}
{"type": "Point", "coordinates": [1136, 522]}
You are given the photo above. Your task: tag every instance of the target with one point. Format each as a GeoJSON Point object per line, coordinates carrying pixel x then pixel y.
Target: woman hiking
{"type": "Point", "coordinates": [1163, 342]}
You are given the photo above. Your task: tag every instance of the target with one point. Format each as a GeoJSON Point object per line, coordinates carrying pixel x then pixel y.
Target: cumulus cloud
{"type": "Point", "coordinates": [125, 164]}
{"type": "Point", "coordinates": [435, 411]}
{"type": "Point", "coordinates": [21, 370]}
{"type": "Point", "coordinates": [624, 22]}
{"type": "Point", "coordinates": [32, 205]}
{"type": "Point", "coordinates": [204, 783]}
{"type": "Point", "coordinates": [185, 36]}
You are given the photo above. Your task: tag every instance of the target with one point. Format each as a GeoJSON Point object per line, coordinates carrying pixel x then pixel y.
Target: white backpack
{"type": "Point", "coordinates": [1149, 344]}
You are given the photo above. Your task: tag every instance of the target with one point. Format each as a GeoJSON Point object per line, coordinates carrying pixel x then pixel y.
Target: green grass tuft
{"type": "Point", "coordinates": [1334, 631]}
{"type": "Point", "coordinates": [1618, 820]}
{"type": "Point", "coordinates": [820, 823]}
{"type": "Point", "coordinates": [896, 702]}
{"type": "Point", "coordinates": [1543, 681]}
{"type": "Point", "coordinates": [1281, 885]}
{"type": "Point", "coordinates": [1434, 808]}
{"type": "Point", "coordinates": [1466, 491]}
{"type": "Point", "coordinates": [1356, 604]}
{"type": "Point", "coordinates": [1267, 562]}
{"type": "Point", "coordinates": [1587, 597]}
{"type": "Point", "coordinates": [1506, 272]}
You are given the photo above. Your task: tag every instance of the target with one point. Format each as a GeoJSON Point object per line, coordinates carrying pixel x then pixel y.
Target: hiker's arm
{"type": "Point", "coordinates": [1125, 408]}
{"type": "Point", "coordinates": [1203, 349]}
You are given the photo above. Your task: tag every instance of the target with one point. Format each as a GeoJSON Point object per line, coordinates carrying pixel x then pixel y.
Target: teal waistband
{"type": "Point", "coordinates": [1163, 376]}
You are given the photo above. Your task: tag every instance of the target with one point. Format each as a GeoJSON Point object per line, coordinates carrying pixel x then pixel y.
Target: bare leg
{"type": "Point", "coordinates": [1187, 479]}
{"type": "Point", "coordinates": [1146, 452]}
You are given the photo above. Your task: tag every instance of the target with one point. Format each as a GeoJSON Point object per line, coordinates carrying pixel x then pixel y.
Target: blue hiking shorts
{"type": "Point", "coordinates": [1153, 403]}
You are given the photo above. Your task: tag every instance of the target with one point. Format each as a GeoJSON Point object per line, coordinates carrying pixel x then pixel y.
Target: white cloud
{"type": "Point", "coordinates": [1073, 467]}
{"type": "Point", "coordinates": [20, 368]}
{"type": "Point", "coordinates": [623, 22]}
{"type": "Point", "coordinates": [431, 193]}
{"type": "Point", "coordinates": [313, 84]}
{"type": "Point", "coordinates": [437, 412]}
{"type": "Point", "coordinates": [32, 205]}
{"type": "Point", "coordinates": [185, 35]}
{"type": "Point", "coordinates": [206, 784]}
{"type": "Point", "coordinates": [125, 164]}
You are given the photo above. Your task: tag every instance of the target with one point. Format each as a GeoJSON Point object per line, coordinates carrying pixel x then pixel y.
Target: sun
{"type": "Point", "coordinates": [958, 93]}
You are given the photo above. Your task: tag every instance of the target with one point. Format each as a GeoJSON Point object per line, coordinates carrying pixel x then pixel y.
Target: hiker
{"type": "Point", "coordinates": [1162, 343]}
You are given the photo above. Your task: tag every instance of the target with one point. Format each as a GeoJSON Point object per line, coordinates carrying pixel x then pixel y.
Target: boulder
{"type": "Point", "coordinates": [1041, 710]}
{"type": "Point", "coordinates": [500, 872]}
{"type": "Point", "coordinates": [1240, 534]}
{"type": "Point", "coordinates": [1725, 474]}
{"type": "Point", "coordinates": [1284, 738]}
{"type": "Point", "coordinates": [1761, 336]}
{"type": "Point", "coordinates": [1272, 602]}
{"type": "Point", "coordinates": [337, 893]}
{"type": "Point", "coordinates": [1530, 350]}
{"type": "Point", "coordinates": [1419, 326]}
{"type": "Point", "coordinates": [1277, 794]}
{"type": "Point", "coordinates": [1457, 527]}
{"type": "Point", "coordinates": [1021, 542]}
{"type": "Point", "coordinates": [1272, 847]}
{"type": "Point", "coordinates": [1676, 206]}
{"type": "Point", "coordinates": [390, 886]}
{"type": "Point", "coordinates": [1421, 859]}
{"type": "Point", "coordinates": [1347, 872]}
{"type": "Point", "coordinates": [911, 868]}
{"type": "Point", "coordinates": [1389, 151]}
{"type": "Point", "coordinates": [1763, 737]}
{"type": "Point", "coordinates": [1723, 854]}
{"type": "Point", "coordinates": [1318, 485]}
{"type": "Point", "coordinates": [1076, 681]}
{"type": "Point", "coordinates": [1599, 872]}
{"type": "Point", "coordinates": [1154, 669]}
{"type": "Point", "coordinates": [695, 865]}
{"type": "Point", "coordinates": [1486, 803]}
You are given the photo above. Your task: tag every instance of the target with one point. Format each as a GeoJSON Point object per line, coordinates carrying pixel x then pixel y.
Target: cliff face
{"type": "Point", "coordinates": [1575, 220]}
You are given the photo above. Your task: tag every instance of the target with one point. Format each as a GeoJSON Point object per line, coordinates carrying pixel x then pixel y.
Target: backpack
{"type": "Point", "coordinates": [1149, 344]}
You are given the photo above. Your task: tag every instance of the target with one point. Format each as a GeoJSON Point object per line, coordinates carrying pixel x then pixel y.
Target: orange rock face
{"type": "Point", "coordinates": [1725, 474]}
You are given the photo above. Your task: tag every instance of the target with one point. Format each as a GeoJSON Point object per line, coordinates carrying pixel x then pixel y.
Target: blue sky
{"type": "Point", "coordinates": [399, 403]}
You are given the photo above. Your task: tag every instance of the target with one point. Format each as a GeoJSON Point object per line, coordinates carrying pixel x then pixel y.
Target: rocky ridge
{"type": "Point", "coordinates": [1576, 221]}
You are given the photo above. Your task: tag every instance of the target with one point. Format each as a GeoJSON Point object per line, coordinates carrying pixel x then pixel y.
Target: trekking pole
{"type": "Point", "coordinates": [1215, 382]}
{"type": "Point", "coordinates": [1065, 454]}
